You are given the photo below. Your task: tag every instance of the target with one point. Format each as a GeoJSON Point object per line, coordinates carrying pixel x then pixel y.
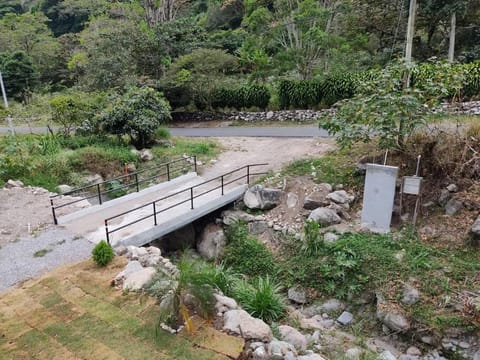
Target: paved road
{"type": "Point", "coordinates": [287, 132]}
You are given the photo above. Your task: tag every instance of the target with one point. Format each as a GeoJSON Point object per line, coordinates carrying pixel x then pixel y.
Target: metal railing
{"type": "Point", "coordinates": [170, 171]}
{"type": "Point", "coordinates": [190, 198]}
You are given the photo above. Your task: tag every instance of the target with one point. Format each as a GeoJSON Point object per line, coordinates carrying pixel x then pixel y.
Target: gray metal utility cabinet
{"type": "Point", "coordinates": [378, 197]}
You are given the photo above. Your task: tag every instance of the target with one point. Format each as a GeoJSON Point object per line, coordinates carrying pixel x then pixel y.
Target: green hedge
{"type": "Point", "coordinates": [243, 97]}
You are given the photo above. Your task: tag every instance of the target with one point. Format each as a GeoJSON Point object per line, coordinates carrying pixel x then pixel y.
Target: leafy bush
{"type": "Point", "coordinates": [162, 133]}
{"type": "Point", "coordinates": [69, 111]}
{"type": "Point", "coordinates": [102, 253]}
{"type": "Point", "coordinates": [261, 298]}
{"type": "Point", "coordinates": [471, 87]}
{"type": "Point", "coordinates": [246, 255]}
{"type": "Point", "coordinates": [138, 114]}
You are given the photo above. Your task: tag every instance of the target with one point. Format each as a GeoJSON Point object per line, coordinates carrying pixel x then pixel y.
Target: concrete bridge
{"type": "Point", "coordinates": [141, 217]}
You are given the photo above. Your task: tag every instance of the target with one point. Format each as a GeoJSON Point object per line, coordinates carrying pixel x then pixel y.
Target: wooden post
{"type": "Point", "coordinates": [451, 47]}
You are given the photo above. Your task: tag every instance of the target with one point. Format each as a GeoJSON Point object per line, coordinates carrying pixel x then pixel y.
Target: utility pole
{"type": "Point", "coordinates": [451, 48]}
{"type": "Point", "coordinates": [5, 101]}
{"type": "Point", "coordinates": [410, 31]}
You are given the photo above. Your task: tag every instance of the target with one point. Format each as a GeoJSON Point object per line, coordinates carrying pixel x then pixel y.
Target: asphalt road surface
{"type": "Point", "coordinates": [286, 132]}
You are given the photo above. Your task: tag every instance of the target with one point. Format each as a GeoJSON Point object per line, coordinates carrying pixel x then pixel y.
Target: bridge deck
{"type": "Point", "coordinates": [90, 221]}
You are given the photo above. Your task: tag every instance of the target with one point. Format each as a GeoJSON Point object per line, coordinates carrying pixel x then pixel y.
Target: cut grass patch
{"type": "Point", "coordinates": [59, 316]}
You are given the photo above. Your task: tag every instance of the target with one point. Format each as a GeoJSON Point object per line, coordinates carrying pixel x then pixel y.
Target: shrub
{"type": "Point", "coordinates": [261, 298]}
{"type": "Point", "coordinates": [312, 242]}
{"type": "Point", "coordinates": [138, 114]}
{"type": "Point", "coordinates": [246, 255]}
{"type": "Point", "coordinates": [162, 133]}
{"type": "Point", "coordinates": [102, 253]}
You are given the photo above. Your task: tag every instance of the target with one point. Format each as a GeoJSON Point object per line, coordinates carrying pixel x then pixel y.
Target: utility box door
{"type": "Point", "coordinates": [378, 196]}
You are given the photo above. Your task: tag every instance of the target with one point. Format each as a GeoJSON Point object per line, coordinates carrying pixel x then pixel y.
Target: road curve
{"type": "Point", "coordinates": [285, 132]}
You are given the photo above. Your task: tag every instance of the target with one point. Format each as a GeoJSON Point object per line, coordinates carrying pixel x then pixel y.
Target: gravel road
{"type": "Point", "coordinates": [32, 255]}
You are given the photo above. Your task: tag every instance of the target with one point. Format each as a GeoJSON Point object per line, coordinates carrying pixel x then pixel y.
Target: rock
{"type": "Point", "coordinates": [330, 237]}
{"type": "Point", "coordinates": [476, 356]}
{"type": "Point", "coordinates": [310, 357]}
{"type": "Point", "coordinates": [150, 260]}
{"type": "Point", "coordinates": [132, 267]}
{"type": "Point", "coordinates": [153, 250]}
{"type": "Point", "coordinates": [325, 216]}
{"type": "Point", "coordinates": [453, 206]}
{"type": "Point", "coordinates": [293, 336]}
{"type": "Point", "coordinates": [92, 179]}
{"type": "Point", "coordinates": [179, 239]}
{"type": "Point", "coordinates": [225, 301]}
{"type": "Point", "coordinates": [414, 351]}
{"type": "Point", "coordinates": [62, 189]}
{"type": "Point", "coordinates": [316, 199]}
{"type": "Point", "coordinates": [258, 197]}
{"type": "Point", "coordinates": [257, 227]}
{"type": "Point", "coordinates": [121, 250]}
{"type": "Point", "coordinates": [292, 200]}
{"type": "Point", "coordinates": [444, 197]}
{"type": "Point", "coordinates": [260, 354]}
{"type": "Point", "coordinates": [353, 353]}
{"type": "Point", "coordinates": [278, 349]}
{"type": "Point", "coordinates": [345, 318]}
{"type": "Point", "coordinates": [212, 242]}
{"type": "Point", "coordinates": [410, 295]}
{"type": "Point", "coordinates": [13, 184]}
{"type": "Point", "coordinates": [241, 323]}
{"type": "Point", "coordinates": [475, 230]}
{"type": "Point", "coordinates": [341, 197]}
{"type": "Point", "coordinates": [230, 217]}
{"type": "Point", "coordinates": [297, 295]}
{"type": "Point", "coordinates": [317, 322]}
{"type": "Point", "coordinates": [408, 357]}
{"type": "Point", "coordinates": [135, 253]}
{"type": "Point", "coordinates": [391, 318]}
{"type": "Point", "coordinates": [131, 168]}
{"type": "Point", "coordinates": [452, 188]}
{"type": "Point", "coordinates": [146, 155]}
{"type": "Point", "coordinates": [269, 115]}
{"type": "Point", "coordinates": [134, 151]}
{"type": "Point", "coordinates": [395, 321]}
{"type": "Point", "coordinates": [386, 355]}
{"type": "Point", "coordinates": [138, 279]}
{"type": "Point", "coordinates": [329, 306]}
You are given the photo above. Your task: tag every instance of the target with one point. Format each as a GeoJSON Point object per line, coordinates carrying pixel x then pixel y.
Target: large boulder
{"type": "Point", "coordinates": [280, 349]}
{"type": "Point", "coordinates": [239, 322]}
{"type": "Point", "coordinates": [132, 267]}
{"type": "Point", "coordinates": [63, 188]}
{"type": "Point", "coordinates": [258, 197]}
{"type": "Point", "coordinates": [453, 206]}
{"type": "Point", "coordinates": [137, 280]}
{"type": "Point", "coordinates": [325, 216]}
{"type": "Point", "coordinates": [293, 336]}
{"type": "Point", "coordinates": [212, 242]}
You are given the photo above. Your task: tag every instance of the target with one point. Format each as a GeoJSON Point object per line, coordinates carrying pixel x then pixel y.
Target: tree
{"type": "Point", "coordinates": [29, 33]}
{"type": "Point", "coordinates": [69, 110]}
{"type": "Point", "coordinates": [19, 74]}
{"type": "Point", "coordinates": [161, 11]}
{"type": "Point", "coordinates": [138, 113]}
{"type": "Point", "coordinates": [383, 108]}
{"type": "Point", "coordinates": [199, 73]}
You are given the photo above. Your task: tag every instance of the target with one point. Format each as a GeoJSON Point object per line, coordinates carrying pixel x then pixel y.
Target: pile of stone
{"type": "Point", "coordinates": [143, 264]}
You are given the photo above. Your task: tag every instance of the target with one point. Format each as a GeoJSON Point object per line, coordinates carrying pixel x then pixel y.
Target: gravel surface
{"type": "Point", "coordinates": [30, 256]}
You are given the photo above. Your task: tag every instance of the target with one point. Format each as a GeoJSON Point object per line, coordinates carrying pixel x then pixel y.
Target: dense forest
{"type": "Point", "coordinates": [197, 51]}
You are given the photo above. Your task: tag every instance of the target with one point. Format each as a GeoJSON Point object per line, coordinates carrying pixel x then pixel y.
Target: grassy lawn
{"type": "Point", "coordinates": [73, 313]}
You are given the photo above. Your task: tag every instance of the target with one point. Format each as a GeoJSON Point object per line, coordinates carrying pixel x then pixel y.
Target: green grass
{"type": "Point", "coordinates": [333, 168]}
{"type": "Point", "coordinates": [47, 161]}
{"type": "Point", "coordinates": [41, 253]}
{"type": "Point", "coordinates": [246, 255]}
{"type": "Point", "coordinates": [74, 313]}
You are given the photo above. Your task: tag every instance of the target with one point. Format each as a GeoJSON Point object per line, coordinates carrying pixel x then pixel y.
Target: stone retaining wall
{"type": "Point", "coordinates": [468, 108]}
